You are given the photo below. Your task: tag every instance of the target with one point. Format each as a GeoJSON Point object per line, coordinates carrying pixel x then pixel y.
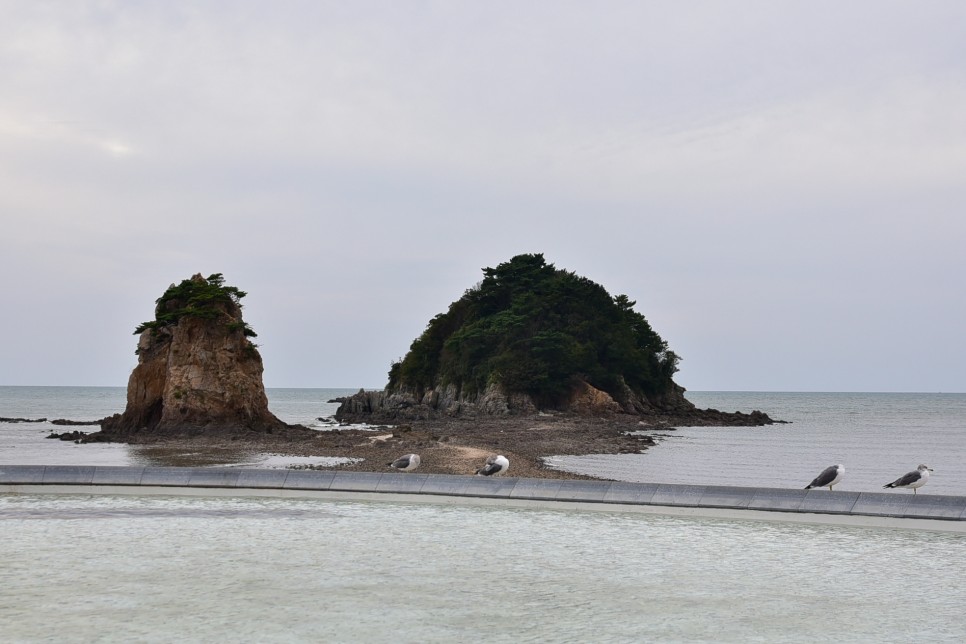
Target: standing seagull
{"type": "Point", "coordinates": [494, 465]}
{"type": "Point", "coordinates": [406, 463]}
{"type": "Point", "coordinates": [829, 476]}
{"type": "Point", "coordinates": [916, 478]}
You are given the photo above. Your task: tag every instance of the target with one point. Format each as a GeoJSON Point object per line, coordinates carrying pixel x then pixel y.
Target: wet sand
{"type": "Point", "coordinates": [446, 446]}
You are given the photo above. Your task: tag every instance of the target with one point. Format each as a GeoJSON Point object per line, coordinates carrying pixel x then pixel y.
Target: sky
{"type": "Point", "coordinates": [781, 186]}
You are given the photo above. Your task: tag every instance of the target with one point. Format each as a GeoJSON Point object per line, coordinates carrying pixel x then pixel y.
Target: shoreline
{"type": "Point", "coordinates": [446, 446]}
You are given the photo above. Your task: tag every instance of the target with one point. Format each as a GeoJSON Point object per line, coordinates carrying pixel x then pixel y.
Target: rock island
{"type": "Point", "coordinates": [530, 362]}
{"type": "Point", "coordinates": [533, 361]}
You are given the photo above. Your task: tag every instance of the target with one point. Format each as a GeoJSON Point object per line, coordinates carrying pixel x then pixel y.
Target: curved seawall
{"type": "Point", "coordinates": [897, 509]}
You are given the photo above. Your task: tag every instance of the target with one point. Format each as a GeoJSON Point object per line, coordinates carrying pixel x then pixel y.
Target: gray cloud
{"type": "Point", "coordinates": [778, 185]}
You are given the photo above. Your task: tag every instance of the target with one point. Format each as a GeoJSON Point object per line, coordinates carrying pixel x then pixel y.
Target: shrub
{"type": "Point", "coordinates": [199, 298]}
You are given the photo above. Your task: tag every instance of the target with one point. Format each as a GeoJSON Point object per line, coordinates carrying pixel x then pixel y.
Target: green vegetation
{"type": "Point", "coordinates": [534, 329]}
{"type": "Point", "coordinates": [199, 298]}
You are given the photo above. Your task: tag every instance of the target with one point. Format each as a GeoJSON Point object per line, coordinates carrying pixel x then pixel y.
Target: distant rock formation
{"type": "Point", "coordinates": [407, 404]}
{"type": "Point", "coordinates": [531, 338]}
{"type": "Point", "coordinates": [197, 370]}
{"type": "Point", "coordinates": [390, 407]}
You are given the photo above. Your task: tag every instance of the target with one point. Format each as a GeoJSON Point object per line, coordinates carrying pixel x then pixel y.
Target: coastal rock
{"type": "Point", "coordinates": [671, 408]}
{"type": "Point", "coordinates": [68, 436]}
{"type": "Point", "coordinates": [390, 407]}
{"type": "Point", "coordinates": [197, 370]}
{"type": "Point", "coordinates": [588, 400]}
{"type": "Point", "coordinates": [443, 402]}
{"type": "Point", "coordinates": [529, 339]}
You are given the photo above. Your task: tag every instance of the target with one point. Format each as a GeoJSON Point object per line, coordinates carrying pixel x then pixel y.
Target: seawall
{"type": "Point", "coordinates": [898, 509]}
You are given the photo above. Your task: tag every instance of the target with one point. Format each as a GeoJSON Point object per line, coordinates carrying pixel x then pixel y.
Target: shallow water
{"type": "Point", "coordinates": [878, 437]}
{"type": "Point", "coordinates": [83, 569]}
{"type": "Point", "coordinates": [26, 443]}
{"type": "Point", "coordinates": [78, 568]}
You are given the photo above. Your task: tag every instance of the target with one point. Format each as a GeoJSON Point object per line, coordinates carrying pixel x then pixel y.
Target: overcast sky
{"type": "Point", "coordinates": [781, 186]}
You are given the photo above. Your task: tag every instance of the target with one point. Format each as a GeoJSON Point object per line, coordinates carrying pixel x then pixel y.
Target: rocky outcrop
{"type": "Point", "coordinates": [448, 402]}
{"type": "Point", "coordinates": [530, 338]}
{"type": "Point", "coordinates": [197, 370]}
{"type": "Point", "coordinates": [407, 405]}
{"type": "Point", "coordinates": [390, 407]}
{"type": "Point", "coordinates": [590, 401]}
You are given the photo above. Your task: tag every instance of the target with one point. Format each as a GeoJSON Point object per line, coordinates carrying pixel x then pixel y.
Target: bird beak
{"type": "Point", "coordinates": [930, 469]}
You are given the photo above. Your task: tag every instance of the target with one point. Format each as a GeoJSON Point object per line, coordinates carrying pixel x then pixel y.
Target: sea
{"type": "Point", "coordinates": [86, 568]}
{"type": "Point", "coordinates": [876, 436]}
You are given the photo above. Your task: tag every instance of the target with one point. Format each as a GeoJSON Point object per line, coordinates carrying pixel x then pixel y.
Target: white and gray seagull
{"type": "Point", "coordinates": [829, 477]}
{"type": "Point", "coordinates": [914, 479]}
{"type": "Point", "coordinates": [494, 465]}
{"type": "Point", "coordinates": [406, 463]}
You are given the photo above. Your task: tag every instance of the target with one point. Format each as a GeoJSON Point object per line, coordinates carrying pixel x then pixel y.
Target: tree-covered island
{"type": "Point", "coordinates": [530, 328]}
{"type": "Point", "coordinates": [533, 338]}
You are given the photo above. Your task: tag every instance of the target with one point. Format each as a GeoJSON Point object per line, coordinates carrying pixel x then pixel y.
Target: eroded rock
{"type": "Point", "coordinates": [197, 369]}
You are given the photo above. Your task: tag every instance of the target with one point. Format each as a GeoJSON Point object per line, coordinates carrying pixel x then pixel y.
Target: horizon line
{"type": "Point", "coordinates": [703, 391]}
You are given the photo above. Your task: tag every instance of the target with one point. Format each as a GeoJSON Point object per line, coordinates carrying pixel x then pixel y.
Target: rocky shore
{"type": "Point", "coordinates": [446, 446]}
{"type": "Point", "coordinates": [454, 435]}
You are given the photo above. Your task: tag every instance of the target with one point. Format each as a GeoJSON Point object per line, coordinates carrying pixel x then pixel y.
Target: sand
{"type": "Point", "coordinates": [445, 446]}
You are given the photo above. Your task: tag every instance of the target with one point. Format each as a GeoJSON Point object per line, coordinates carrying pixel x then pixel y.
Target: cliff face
{"type": "Point", "coordinates": [407, 405]}
{"type": "Point", "coordinates": [671, 408]}
{"type": "Point", "coordinates": [197, 370]}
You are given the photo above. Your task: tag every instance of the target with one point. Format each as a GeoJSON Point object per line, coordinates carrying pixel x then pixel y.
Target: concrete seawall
{"type": "Point", "coordinates": [897, 509]}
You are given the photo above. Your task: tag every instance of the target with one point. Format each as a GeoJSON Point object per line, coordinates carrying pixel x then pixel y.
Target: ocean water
{"type": "Point", "coordinates": [26, 443]}
{"type": "Point", "coordinates": [83, 568]}
{"type": "Point", "coordinates": [877, 436]}
{"type": "Point", "coordinates": [188, 569]}
{"type": "Point", "coordinates": [303, 406]}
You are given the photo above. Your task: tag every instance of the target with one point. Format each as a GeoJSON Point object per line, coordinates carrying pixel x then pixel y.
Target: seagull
{"type": "Point", "coordinates": [494, 465]}
{"type": "Point", "coordinates": [916, 478]}
{"type": "Point", "coordinates": [406, 463]}
{"type": "Point", "coordinates": [829, 476]}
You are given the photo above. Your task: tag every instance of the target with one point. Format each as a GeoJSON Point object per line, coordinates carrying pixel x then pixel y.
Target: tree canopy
{"type": "Point", "coordinates": [201, 298]}
{"type": "Point", "coordinates": [532, 328]}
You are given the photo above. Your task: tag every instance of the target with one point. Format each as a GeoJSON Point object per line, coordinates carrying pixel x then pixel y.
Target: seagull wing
{"type": "Point", "coordinates": [827, 476]}
{"type": "Point", "coordinates": [906, 479]}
